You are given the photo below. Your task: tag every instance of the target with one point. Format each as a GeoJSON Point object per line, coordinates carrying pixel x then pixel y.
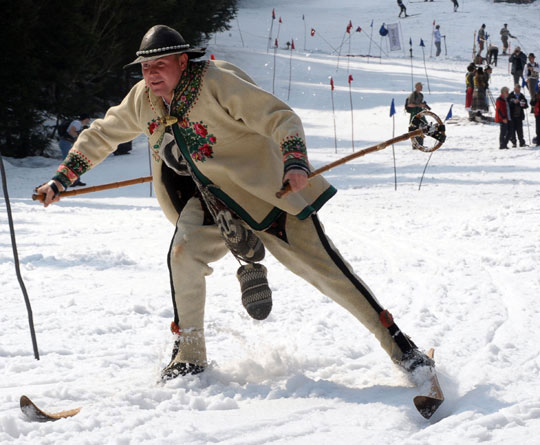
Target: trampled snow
{"type": "Point", "coordinates": [456, 262]}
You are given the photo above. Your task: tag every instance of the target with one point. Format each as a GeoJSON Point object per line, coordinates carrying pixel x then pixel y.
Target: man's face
{"type": "Point", "coordinates": [162, 75]}
{"type": "Point", "coordinates": [517, 89]}
{"type": "Point", "coordinates": [419, 87]}
{"type": "Point", "coordinates": [504, 94]}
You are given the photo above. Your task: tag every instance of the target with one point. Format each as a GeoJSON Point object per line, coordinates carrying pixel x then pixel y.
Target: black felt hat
{"type": "Point", "coordinates": [160, 41]}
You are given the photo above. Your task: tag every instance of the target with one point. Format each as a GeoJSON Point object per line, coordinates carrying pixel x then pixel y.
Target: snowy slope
{"type": "Point", "coordinates": [456, 263]}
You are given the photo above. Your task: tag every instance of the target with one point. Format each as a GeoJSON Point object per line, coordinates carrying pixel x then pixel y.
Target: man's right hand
{"type": "Point", "coordinates": [51, 191]}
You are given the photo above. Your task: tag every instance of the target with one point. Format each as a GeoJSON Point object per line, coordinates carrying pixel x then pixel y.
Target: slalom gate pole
{"type": "Point", "coordinates": [445, 48]}
{"type": "Point", "coordinates": [412, 81]}
{"type": "Point", "coordinates": [274, 68]}
{"type": "Point", "coordinates": [290, 70]}
{"type": "Point", "coordinates": [352, 115]}
{"type": "Point", "coordinates": [16, 260]}
{"type": "Point", "coordinates": [432, 31]}
{"type": "Point", "coordinates": [528, 129]}
{"type": "Point", "coordinates": [240, 31]}
{"type": "Point", "coordinates": [333, 112]}
{"type": "Point", "coordinates": [394, 151]}
{"type": "Point", "coordinates": [425, 69]}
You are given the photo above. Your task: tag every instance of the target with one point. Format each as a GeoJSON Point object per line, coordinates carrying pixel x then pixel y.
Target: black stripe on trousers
{"type": "Point", "coordinates": [169, 254]}
{"type": "Point", "coordinates": [403, 342]}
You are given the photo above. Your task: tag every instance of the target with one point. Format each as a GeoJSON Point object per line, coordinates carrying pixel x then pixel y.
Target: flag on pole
{"type": "Point", "coordinates": [523, 83]}
{"type": "Point", "coordinates": [383, 31]}
{"type": "Point", "coordinates": [358, 29]}
{"type": "Point", "coordinates": [433, 22]}
{"type": "Point", "coordinates": [312, 32]}
{"type": "Point", "coordinates": [449, 115]}
{"type": "Point", "coordinates": [303, 18]}
{"type": "Point", "coordinates": [212, 57]}
{"type": "Point", "coordinates": [349, 27]}
{"type": "Point", "coordinates": [273, 14]}
{"type": "Point", "coordinates": [292, 44]}
{"type": "Point", "coordinates": [280, 21]}
{"type": "Point", "coordinates": [332, 83]}
{"type": "Point", "coordinates": [410, 41]}
{"type": "Point", "coordinates": [371, 23]}
{"type": "Point", "coordinates": [350, 78]}
{"type": "Point", "coordinates": [392, 108]}
{"type": "Point", "coordinates": [422, 43]}
{"type": "Point", "coordinates": [276, 44]}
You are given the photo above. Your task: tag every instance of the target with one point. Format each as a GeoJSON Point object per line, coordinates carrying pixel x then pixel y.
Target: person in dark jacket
{"type": "Point", "coordinates": [502, 117]}
{"type": "Point", "coordinates": [505, 33]}
{"type": "Point", "coordinates": [469, 83]}
{"type": "Point", "coordinates": [481, 38]}
{"type": "Point", "coordinates": [532, 71]}
{"type": "Point", "coordinates": [518, 59]}
{"type": "Point", "coordinates": [456, 5]}
{"type": "Point", "coordinates": [535, 109]}
{"type": "Point", "coordinates": [403, 9]}
{"type": "Point", "coordinates": [517, 103]}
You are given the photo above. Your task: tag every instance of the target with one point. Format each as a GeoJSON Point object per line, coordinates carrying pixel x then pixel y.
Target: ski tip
{"type": "Point", "coordinates": [427, 406]}
{"type": "Point", "coordinates": [33, 413]}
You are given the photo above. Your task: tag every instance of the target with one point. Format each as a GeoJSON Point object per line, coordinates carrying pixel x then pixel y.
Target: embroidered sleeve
{"type": "Point", "coordinates": [73, 166]}
{"type": "Point", "coordinates": [294, 153]}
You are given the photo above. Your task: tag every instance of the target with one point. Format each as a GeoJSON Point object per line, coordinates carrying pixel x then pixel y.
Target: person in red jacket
{"type": "Point", "coordinates": [535, 108]}
{"type": "Point", "coordinates": [502, 116]}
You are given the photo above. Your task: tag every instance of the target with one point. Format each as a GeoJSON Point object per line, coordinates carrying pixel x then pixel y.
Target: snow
{"type": "Point", "coordinates": [456, 263]}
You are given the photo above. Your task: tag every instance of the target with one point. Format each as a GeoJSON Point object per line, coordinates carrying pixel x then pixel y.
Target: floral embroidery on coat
{"type": "Point", "coordinates": [187, 91]}
{"type": "Point", "coordinates": [72, 168]}
{"type": "Point", "coordinates": [198, 140]}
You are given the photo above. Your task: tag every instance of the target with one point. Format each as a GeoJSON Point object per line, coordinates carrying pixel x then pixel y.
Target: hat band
{"type": "Point", "coordinates": [159, 50]}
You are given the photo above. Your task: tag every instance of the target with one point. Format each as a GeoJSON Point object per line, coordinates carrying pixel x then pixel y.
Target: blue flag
{"type": "Point", "coordinates": [383, 31]}
{"type": "Point", "coordinates": [371, 23]}
{"type": "Point", "coordinates": [410, 41]}
{"type": "Point", "coordinates": [449, 115]}
{"type": "Point", "coordinates": [422, 43]}
{"type": "Point", "coordinates": [523, 82]}
{"type": "Point", "coordinates": [392, 108]}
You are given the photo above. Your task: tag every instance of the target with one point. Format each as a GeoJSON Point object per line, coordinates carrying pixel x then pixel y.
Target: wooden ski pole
{"type": "Point", "coordinates": [411, 134]}
{"type": "Point", "coordinates": [97, 188]}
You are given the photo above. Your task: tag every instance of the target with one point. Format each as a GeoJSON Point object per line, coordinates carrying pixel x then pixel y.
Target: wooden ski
{"type": "Point", "coordinates": [33, 413]}
{"type": "Point", "coordinates": [428, 404]}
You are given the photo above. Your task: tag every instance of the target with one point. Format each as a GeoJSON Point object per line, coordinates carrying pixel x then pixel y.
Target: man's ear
{"type": "Point", "coordinates": [183, 61]}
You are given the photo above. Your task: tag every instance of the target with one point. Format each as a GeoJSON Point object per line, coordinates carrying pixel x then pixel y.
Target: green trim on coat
{"type": "Point", "coordinates": [318, 203]}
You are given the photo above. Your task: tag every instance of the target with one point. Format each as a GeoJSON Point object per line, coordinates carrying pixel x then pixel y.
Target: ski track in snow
{"type": "Point", "coordinates": [456, 263]}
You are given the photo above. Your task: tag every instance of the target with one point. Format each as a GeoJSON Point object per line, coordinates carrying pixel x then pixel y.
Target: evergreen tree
{"type": "Point", "coordinates": [66, 58]}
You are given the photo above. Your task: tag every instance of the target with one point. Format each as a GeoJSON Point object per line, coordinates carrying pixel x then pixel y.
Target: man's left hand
{"type": "Point", "coordinates": [298, 179]}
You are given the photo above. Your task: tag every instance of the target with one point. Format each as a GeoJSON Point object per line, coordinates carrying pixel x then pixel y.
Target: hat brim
{"type": "Point", "coordinates": [193, 53]}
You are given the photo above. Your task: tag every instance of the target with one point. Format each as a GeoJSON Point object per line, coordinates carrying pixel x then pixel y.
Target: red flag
{"type": "Point", "coordinates": [349, 27]}
{"type": "Point", "coordinates": [312, 32]}
{"type": "Point", "coordinates": [292, 44]}
{"type": "Point", "coordinates": [280, 20]}
{"type": "Point", "coordinates": [358, 29]}
{"type": "Point", "coordinates": [212, 57]}
{"type": "Point", "coordinates": [275, 44]}
{"type": "Point", "coordinates": [332, 83]}
{"type": "Point", "coordinates": [273, 13]}
{"type": "Point", "coordinates": [433, 22]}
{"type": "Point", "coordinates": [350, 78]}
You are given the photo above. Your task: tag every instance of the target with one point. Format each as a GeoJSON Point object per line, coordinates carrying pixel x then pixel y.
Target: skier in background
{"type": "Point", "coordinates": [502, 117]}
{"type": "Point", "coordinates": [517, 103]}
{"type": "Point", "coordinates": [535, 109]}
{"type": "Point", "coordinates": [482, 38]}
{"type": "Point", "coordinates": [415, 104]}
{"type": "Point", "coordinates": [469, 83]}
{"type": "Point", "coordinates": [531, 75]}
{"type": "Point", "coordinates": [505, 33]}
{"type": "Point", "coordinates": [403, 9]}
{"type": "Point", "coordinates": [492, 54]}
{"type": "Point", "coordinates": [456, 5]}
{"type": "Point", "coordinates": [518, 59]}
{"type": "Point", "coordinates": [437, 38]}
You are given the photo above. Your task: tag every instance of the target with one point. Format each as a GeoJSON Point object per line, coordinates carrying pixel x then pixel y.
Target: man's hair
{"type": "Point", "coordinates": [518, 86]}
{"type": "Point", "coordinates": [505, 90]}
{"type": "Point", "coordinates": [84, 116]}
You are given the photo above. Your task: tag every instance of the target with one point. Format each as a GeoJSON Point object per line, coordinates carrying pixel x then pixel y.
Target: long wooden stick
{"type": "Point", "coordinates": [97, 188]}
{"type": "Point", "coordinates": [411, 134]}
